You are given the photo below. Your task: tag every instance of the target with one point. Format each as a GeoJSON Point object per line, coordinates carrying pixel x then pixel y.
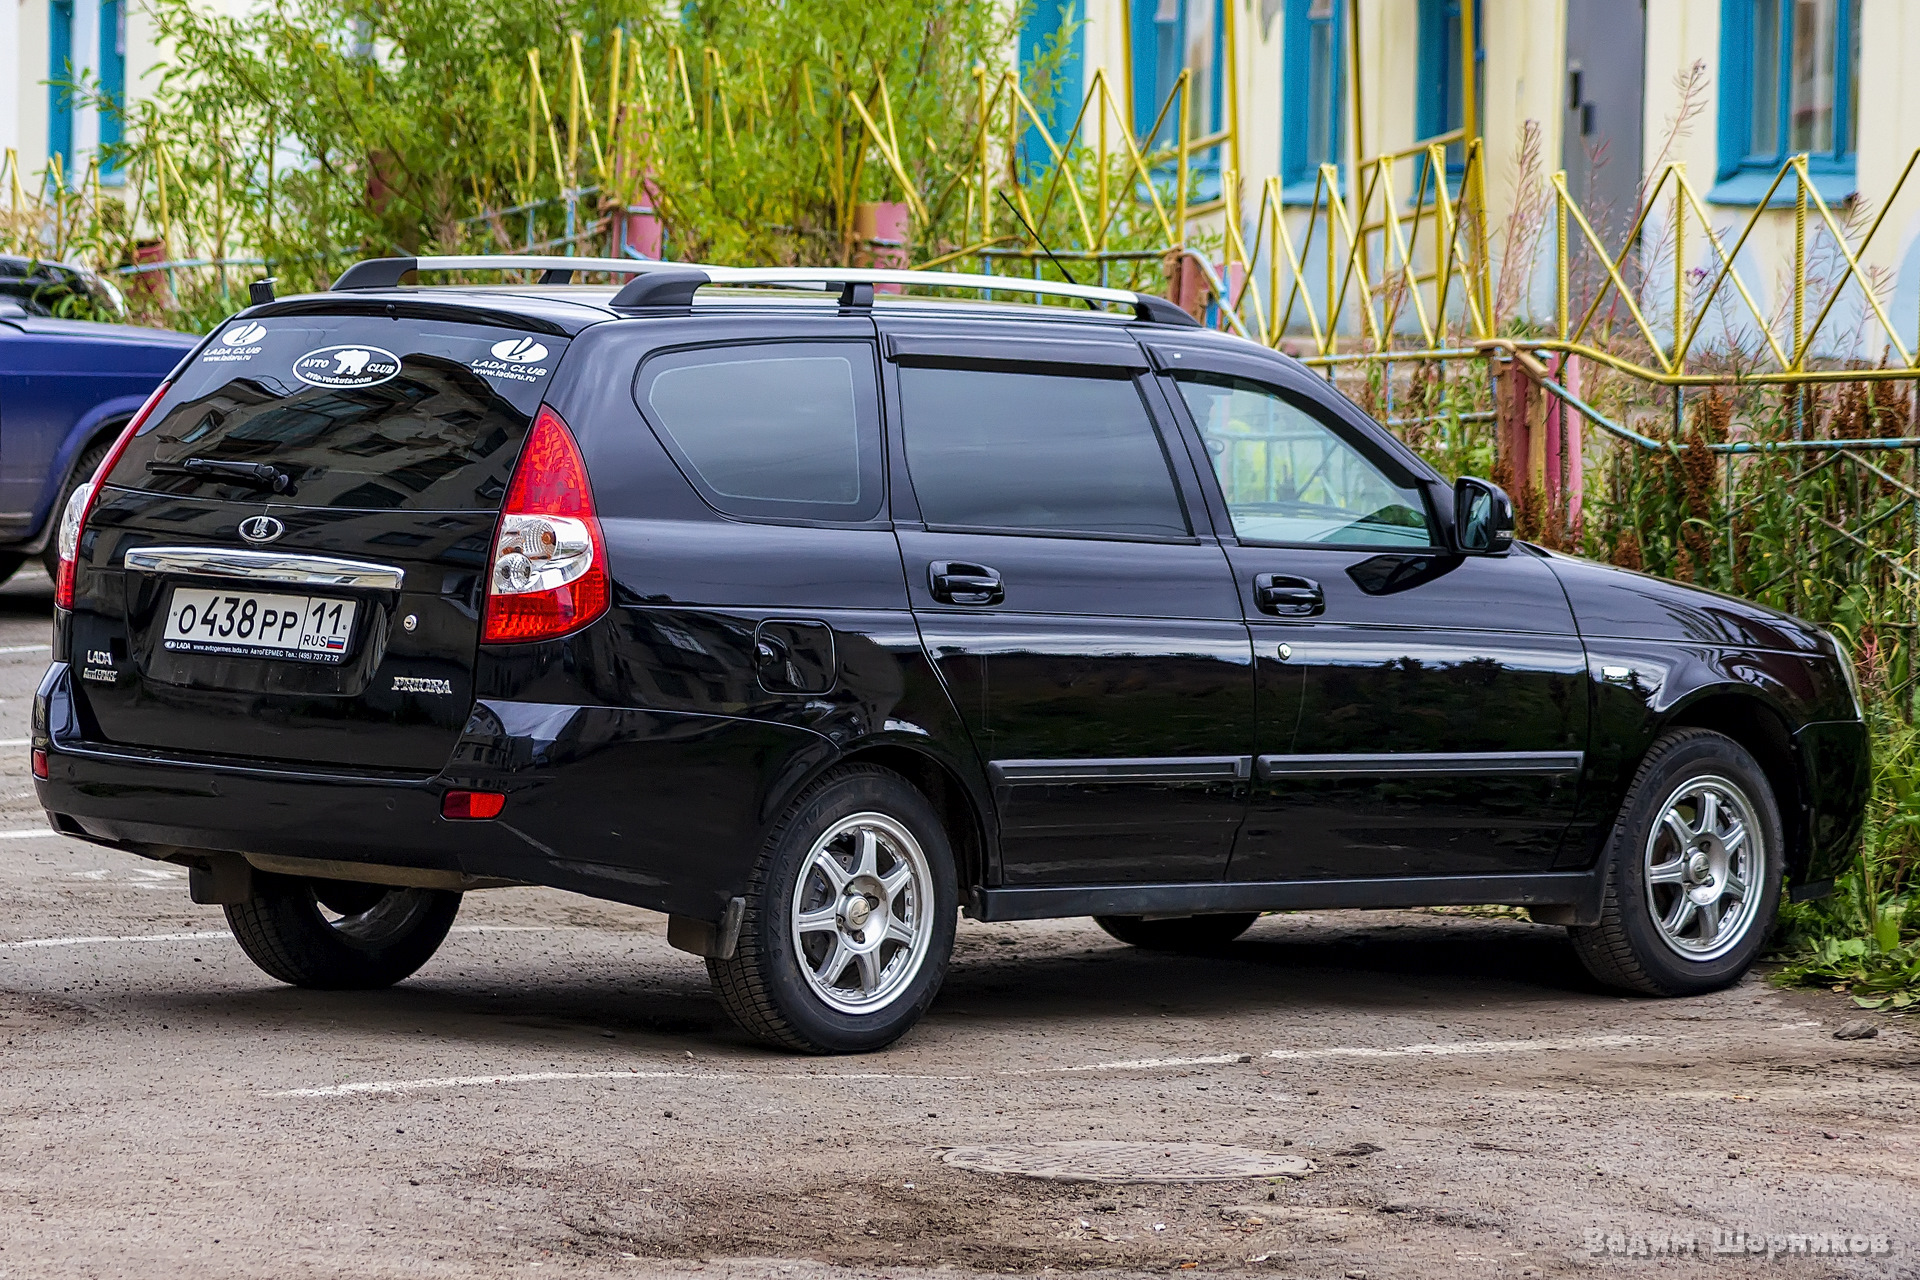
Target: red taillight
{"type": "Point", "coordinates": [74, 518]}
{"type": "Point", "coordinates": [548, 576]}
{"type": "Point", "coordinates": [468, 805]}
{"type": "Point", "coordinates": [40, 763]}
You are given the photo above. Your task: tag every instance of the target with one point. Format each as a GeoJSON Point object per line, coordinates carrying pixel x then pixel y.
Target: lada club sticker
{"type": "Point", "coordinates": [516, 360]}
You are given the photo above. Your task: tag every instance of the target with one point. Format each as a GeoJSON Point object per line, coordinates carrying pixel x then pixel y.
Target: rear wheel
{"type": "Point", "coordinates": [338, 934]}
{"type": "Point", "coordinates": [849, 919]}
{"type": "Point", "coordinates": [1693, 870]}
{"type": "Point", "coordinates": [1182, 933]}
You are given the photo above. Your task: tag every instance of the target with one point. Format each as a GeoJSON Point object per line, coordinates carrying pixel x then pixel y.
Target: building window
{"type": "Point", "coordinates": [113, 84]}
{"type": "Point", "coordinates": [1171, 36]}
{"type": "Point", "coordinates": [1312, 119]}
{"type": "Point", "coordinates": [1051, 71]}
{"type": "Point", "coordinates": [1789, 85]}
{"type": "Point", "coordinates": [59, 75]}
{"type": "Point", "coordinates": [1440, 105]}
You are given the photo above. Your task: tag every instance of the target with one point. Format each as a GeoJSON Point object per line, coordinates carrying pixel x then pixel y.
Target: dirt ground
{"type": "Point", "coordinates": [556, 1092]}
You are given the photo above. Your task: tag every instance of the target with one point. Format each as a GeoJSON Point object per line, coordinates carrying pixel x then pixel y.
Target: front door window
{"type": "Point", "coordinates": [1289, 478]}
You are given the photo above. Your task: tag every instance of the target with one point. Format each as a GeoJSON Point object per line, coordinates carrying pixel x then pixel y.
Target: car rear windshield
{"type": "Point", "coordinates": [346, 411]}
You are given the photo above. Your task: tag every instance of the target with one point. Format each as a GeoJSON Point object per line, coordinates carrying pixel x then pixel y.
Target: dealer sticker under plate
{"type": "Point", "coordinates": [254, 624]}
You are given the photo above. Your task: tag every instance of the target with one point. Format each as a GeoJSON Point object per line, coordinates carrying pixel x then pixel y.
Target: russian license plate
{"type": "Point", "coordinates": [254, 624]}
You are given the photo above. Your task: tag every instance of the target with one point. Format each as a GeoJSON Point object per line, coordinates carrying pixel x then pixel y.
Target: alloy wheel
{"type": "Point", "coordinates": [861, 912]}
{"type": "Point", "coordinates": [1706, 867]}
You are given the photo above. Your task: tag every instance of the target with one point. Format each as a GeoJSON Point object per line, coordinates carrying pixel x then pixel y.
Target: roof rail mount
{"type": "Point", "coordinates": [386, 273]}
{"type": "Point", "coordinates": [673, 284]}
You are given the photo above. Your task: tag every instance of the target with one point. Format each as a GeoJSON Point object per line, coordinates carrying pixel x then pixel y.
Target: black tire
{"type": "Point", "coordinates": [83, 468]}
{"type": "Point", "coordinates": [771, 985]}
{"type": "Point", "coordinates": [10, 564]}
{"type": "Point", "coordinates": [337, 935]}
{"type": "Point", "coordinates": [1182, 933]}
{"type": "Point", "coordinates": [1650, 942]}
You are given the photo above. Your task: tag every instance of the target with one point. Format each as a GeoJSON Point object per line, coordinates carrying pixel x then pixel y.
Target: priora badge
{"type": "Point", "coordinates": [261, 528]}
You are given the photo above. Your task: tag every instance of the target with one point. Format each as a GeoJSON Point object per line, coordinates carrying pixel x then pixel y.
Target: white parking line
{"type": "Point", "coordinates": [31, 833]}
{"type": "Point", "coordinates": [143, 937]}
{"type": "Point", "coordinates": [222, 933]}
{"type": "Point", "coordinates": [14, 742]}
{"type": "Point", "coordinates": [461, 1082]}
{"type": "Point", "coordinates": [1454, 1047]}
{"type": "Point", "coordinates": [1139, 1064]}
{"type": "Point", "coordinates": [28, 648]}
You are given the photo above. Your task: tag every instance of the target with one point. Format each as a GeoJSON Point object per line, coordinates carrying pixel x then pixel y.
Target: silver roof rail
{"type": "Point", "coordinates": [662, 284]}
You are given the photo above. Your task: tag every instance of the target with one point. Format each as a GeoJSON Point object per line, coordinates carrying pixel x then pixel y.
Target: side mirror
{"type": "Point", "coordinates": [1482, 517]}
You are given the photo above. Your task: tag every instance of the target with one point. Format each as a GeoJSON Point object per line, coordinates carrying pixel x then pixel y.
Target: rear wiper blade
{"type": "Point", "coordinates": [264, 474]}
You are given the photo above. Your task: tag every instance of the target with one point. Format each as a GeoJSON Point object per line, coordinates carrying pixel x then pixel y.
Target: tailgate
{"type": "Point", "coordinates": [288, 563]}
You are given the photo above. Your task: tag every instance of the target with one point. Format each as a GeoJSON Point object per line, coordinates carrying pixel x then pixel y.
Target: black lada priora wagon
{"type": "Point", "coordinates": [813, 619]}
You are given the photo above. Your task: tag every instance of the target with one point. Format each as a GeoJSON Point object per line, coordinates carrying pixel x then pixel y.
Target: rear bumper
{"type": "Point", "coordinates": [661, 810]}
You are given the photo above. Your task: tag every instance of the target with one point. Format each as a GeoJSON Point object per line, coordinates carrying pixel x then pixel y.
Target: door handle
{"type": "Point", "coordinates": [1288, 597]}
{"type": "Point", "coordinates": [956, 582]}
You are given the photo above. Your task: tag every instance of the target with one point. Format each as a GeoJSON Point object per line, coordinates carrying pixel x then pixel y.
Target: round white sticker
{"type": "Point", "coordinates": [244, 335]}
{"type": "Point", "coordinates": [347, 366]}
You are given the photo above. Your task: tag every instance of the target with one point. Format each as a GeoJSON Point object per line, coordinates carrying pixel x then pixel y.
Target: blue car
{"type": "Point", "coordinates": [66, 389]}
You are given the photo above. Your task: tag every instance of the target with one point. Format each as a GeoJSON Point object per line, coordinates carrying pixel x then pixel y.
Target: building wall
{"type": "Point", "coordinates": [1524, 78]}
{"type": "Point", "coordinates": [1687, 31]}
{"type": "Point", "coordinates": [24, 66]}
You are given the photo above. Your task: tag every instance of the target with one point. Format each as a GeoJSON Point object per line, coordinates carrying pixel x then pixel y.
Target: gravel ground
{"type": "Point", "coordinates": [556, 1092]}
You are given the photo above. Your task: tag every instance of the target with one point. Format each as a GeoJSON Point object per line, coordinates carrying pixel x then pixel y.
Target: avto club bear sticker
{"type": "Point", "coordinates": [347, 366]}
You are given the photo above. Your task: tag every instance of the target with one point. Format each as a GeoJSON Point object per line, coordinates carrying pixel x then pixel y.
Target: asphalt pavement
{"type": "Point", "coordinates": [557, 1092]}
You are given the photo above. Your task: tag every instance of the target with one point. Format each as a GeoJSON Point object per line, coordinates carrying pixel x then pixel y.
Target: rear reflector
{"type": "Point", "coordinates": [74, 519]}
{"type": "Point", "coordinates": [40, 762]}
{"type": "Point", "coordinates": [469, 805]}
{"type": "Point", "coordinates": [549, 571]}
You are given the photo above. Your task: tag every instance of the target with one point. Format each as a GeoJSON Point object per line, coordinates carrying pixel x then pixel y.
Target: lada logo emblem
{"type": "Point", "coordinates": [520, 351]}
{"type": "Point", "coordinates": [261, 528]}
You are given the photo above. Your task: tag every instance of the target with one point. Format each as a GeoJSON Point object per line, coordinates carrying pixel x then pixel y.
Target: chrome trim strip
{"type": "Point", "coordinates": [1148, 769]}
{"type": "Point", "coordinates": [1450, 763]}
{"type": "Point", "coordinates": [266, 566]}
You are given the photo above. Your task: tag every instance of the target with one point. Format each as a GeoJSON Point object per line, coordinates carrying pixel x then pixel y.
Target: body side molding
{"type": "Point", "coordinates": [1145, 769]}
{"type": "Point", "coordinates": [1578, 890]}
{"type": "Point", "coordinates": [1456, 763]}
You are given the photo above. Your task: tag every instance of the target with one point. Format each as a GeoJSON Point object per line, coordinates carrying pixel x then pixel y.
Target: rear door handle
{"type": "Point", "coordinates": [956, 582]}
{"type": "Point", "coordinates": [1286, 596]}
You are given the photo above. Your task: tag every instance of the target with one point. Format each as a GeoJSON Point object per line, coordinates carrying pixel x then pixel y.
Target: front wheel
{"type": "Point", "coordinates": [849, 919]}
{"type": "Point", "coordinates": [339, 935]}
{"type": "Point", "coordinates": [1693, 868]}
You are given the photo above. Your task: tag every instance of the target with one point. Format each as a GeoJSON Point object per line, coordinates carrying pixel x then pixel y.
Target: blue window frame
{"type": "Point", "coordinates": [1049, 25]}
{"type": "Point", "coordinates": [1440, 105]}
{"type": "Point", "coordinates": [59, 72]}
{"type": "Point", "coordinates": [1312, 119]}
{"type": "Point", "coordinates": [113, 83]}
{"type": "Point", "coordinates": [1789, 84]}
{"type": "Point", "coordinates": [1171, 36]}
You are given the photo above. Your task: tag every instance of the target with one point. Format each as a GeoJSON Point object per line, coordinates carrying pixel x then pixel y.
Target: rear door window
{"type": "Point", "coordinates": [354, 412]}
{"type": "Point", "coordinates": [1036, 453]}
{"type": "Point", "coordinates": [783, 431]}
